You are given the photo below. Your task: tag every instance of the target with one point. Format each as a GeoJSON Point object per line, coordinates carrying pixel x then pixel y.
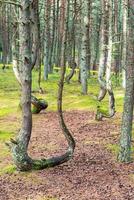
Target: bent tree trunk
{"type": "Point", "coordinates": [106, 60]}
{"type": "Point", "coordinates": [37, 104]}
{"type": "Point", "coordinates": [70, 75]}
{"type": "Point", "coordinates": [103, 54]}
{"type": "Point", "coordinates": [19, 146]}
{"type": "Point", "coordinates": [109, 64]}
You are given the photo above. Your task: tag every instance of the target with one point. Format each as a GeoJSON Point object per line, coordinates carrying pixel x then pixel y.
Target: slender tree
{"type": "Point", "coordinates": [124, 37]}
{"type": "Point", "coordinates": [47, 39]}
{"type": "Point", "coordinates": [126, 129]}
{"type": "Point", "coordinates": [19, 146]}
{"type": "Point", "coordinates": [84, 65]}
{"type": "Point", "coordinates": [105, 63]}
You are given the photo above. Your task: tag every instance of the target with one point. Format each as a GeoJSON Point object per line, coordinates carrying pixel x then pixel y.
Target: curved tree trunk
{"type": "Point", "coordinates": [19, 146]}
{"type": "Point", "coordinates": [101, 76]}
{"type": "Point", "coordinates": [106, 60]}
{"type": "Point", "coordinates": [38, 104]}
{"type": "Point", "coordinates": [103, 54]}
{"type": "Point", "coordinates": [109, 64]}
{"type": "Point", "coordinates": [72, 72]}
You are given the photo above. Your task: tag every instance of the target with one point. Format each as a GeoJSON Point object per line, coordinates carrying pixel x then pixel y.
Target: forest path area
{"type": "Point", "coordinates": [92, 174]}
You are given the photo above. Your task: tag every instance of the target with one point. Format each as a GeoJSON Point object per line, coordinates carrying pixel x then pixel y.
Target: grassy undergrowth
{"type": "Point", "coordinates": [9, 169]}
{"type": "Point", "coordinates": [72, 100]}
{"type": "Point", "coordinates": [114, 148]}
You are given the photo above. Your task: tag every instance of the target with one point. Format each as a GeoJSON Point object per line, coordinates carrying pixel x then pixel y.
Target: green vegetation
{"type": "Point", "coordinates": [46, 198]}
{"type": "Point", "coordinates": [114, 148]}
{"type": "Point", "coordinates": [72, 100]}
{"type": "Point", "coordinates": [4, 136]}
{"type": "Point", "coordinates": [9, 169]}
{"type": "Point", "coordinates": [72, 94]}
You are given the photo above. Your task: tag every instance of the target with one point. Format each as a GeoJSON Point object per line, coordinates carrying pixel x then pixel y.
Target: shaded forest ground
{"type": "Point", "coordinates": [93, 173]}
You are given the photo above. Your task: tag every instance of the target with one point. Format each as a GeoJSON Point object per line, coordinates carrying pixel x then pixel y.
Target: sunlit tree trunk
{"type": "Point", "coordinates": [103, 53]}
{"type": "Point", "coordinates": [84, 65]}
{"type": "Point", "coordinates": [15, 42]}
{"type": "Point", "coordinates": [96, 31]}
{"type": "Point", "coordinates": [106, 57]}
{"type": "Point", "coordinates": [109, 64]}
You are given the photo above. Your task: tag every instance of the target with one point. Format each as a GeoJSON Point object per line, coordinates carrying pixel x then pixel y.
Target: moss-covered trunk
{"type": "Point", "coordinates": [19, 146]}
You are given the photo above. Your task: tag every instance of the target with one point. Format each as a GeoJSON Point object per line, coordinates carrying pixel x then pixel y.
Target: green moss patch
{"type": "Point", "coordinates": [4, 136]}
{"type": "Point", "coordinates": [72, 97]}
{"type": "Point", "coordinates": [114, 148]}
{"type": "Point", "coordinates": [9, 169]}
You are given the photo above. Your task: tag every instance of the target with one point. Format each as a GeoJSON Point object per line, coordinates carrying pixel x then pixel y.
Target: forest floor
{"type": "Point", "coordinates": [92, 174]}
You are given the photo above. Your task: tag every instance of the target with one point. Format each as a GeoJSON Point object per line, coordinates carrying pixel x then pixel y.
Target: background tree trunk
{"type": "Point", "coordinates": [124, 37]}
{"type": "Point", "coordinates": [84, 65]}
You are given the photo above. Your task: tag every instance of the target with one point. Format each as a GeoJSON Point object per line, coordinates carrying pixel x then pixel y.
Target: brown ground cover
{"type": "Point", "coordinates": [92, 174]}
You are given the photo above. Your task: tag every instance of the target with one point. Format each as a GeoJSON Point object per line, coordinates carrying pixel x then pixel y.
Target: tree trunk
{"type": "Point", "coordinates": [124, 37]}
{"type": "Point", "coordinates": [47, 40]}
{"type": "Point", "coordinates": [84, 48]}
{"type": "Point", "coordinates": [127, 119]}
{"type": "Point", "coordinates": [19, 146]}
{"type": "Point", "coordinates": [103, 54]}
{"type": "Point", "coordinates": [72, 72]}
{"type": "Point", "coordinates": [106, 58]}
{"type": "Point", "coordinates": [109, 65]}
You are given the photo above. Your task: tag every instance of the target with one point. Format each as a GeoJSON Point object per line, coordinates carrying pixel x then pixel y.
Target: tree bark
{"type": "Point", "coordinates": [127, 119]}
{"type": "Point", "coordinates": [47, 40]}
{"type": "Point", "coordinates": [124, 37]}
{"type": "Point", "coordinates": [106, 58]}
{"type": "Point", "coordinates": [85, 47]}
{"type": "Point", "coordinates": [19, 147]}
